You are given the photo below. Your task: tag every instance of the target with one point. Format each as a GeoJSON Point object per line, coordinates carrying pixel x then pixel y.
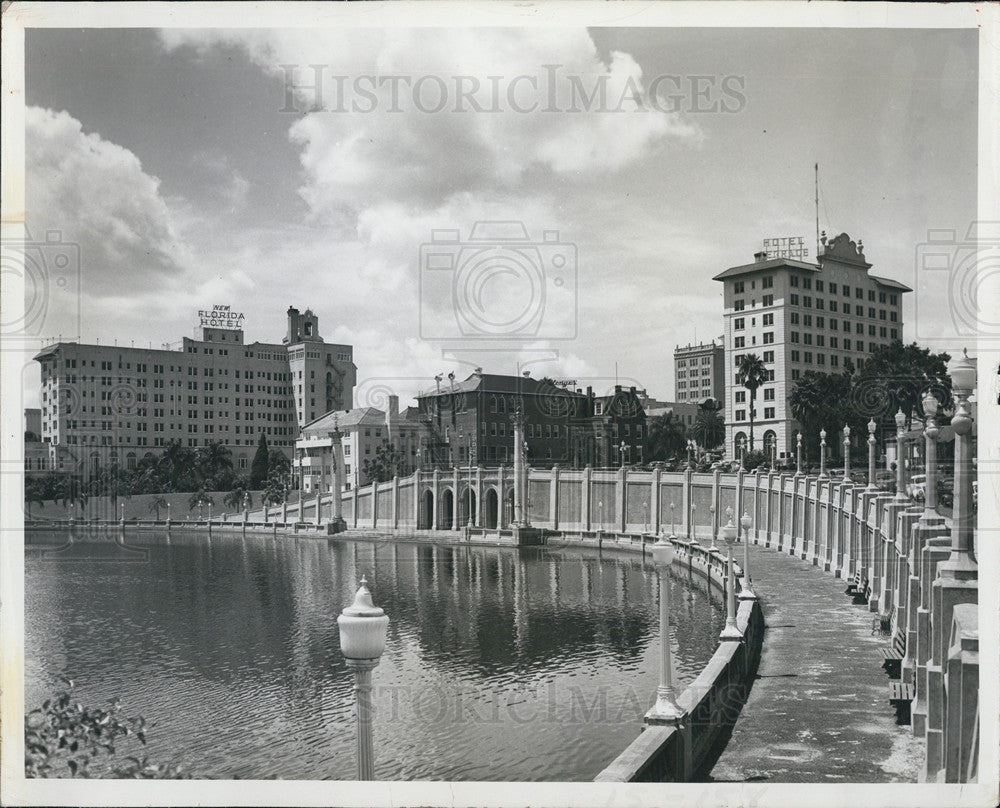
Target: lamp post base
{"type": "Point", "coordinates": [731, 633]}
{"type": "Point", "coordinates": [665, 711]}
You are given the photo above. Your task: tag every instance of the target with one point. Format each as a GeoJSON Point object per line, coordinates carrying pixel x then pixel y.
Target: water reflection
{"type": "Point", "coordinates": [500, 664]}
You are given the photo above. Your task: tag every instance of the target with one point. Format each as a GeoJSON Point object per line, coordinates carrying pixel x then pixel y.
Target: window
{"type": "Point", "coordinates": [768, 337]}
{"type": "Point", "coordinates": [769, 394]}
{"type": "Point", "coordinates": [819, 303]}
{"type": "Point", "coordinates": [807, 357]}
{"type": "Point", "coordinates": [794, 336]}
{"type": "Point", "coordinates": [819, 285]}
{"type": "Point", "coordinates": [795, 356]}
{"type": "Point", "coordinates": [739, 305]}
{"type": "Point", "coordinates": [807, 338]}
{"type": "Point", "coordinates": [871, 331]}
{"type": "Point", "coordinates": [794, 299]}
{"type": "Point", "coordinates": [871, 312]}
{"type": "Point", "coordinates": [893, 316]}
{"type": "Point", "coordinates": [769, 412]}
{"type": "Point", "coordinates": [847, 344]}
{"type": "Point", "coordinates": [807, 302]}
{"type": "Point", "coordinates": [834, 360]}
{"type": "Point", "coordinates": [892, 300]}
{"type": "Point", "coordinates": [820, 322]}
{"type": "Point", "coordinates": [859, 328]}
{"type": "Point", "coordinates": [796, 374]}
{"type": "Point", "coordinates": [833, 306]}
{"type": "Point", "coordinates": [793, 318]}
{"type": "Point", "coordinates": [833, 324]}
{"type": "Point", "coordinates": [767, 300]}
{"type": "Point", "coordinates": [768, 319]}
{"type": "Point", "coordinates": [767, 282]}
{"type": "Point", "coordinates": [741, 415]}
{"type": "Point", "coordinates": [768, 356]}
{"type": "Point", "coordinates": [871, 295]}
{"type": "Point", "coordinates": [833, 288]}
{"type": "Point", "coordinates": [740, 342]}
{"type": "Point", "coordinates": [740, 396]}
{"type": "Point", "coordinates": [881, 314]}
{"type": "Point", "coordinates": [807, 283]}
{"type": "Point", "coordinates": [846, 290]}
{"type": "Point", "coordinates": [881, 297]}
{"type": "Point", "coordinates": [882, 331]}
{"type": "Point", "coordinates": [893, 333]}
{"type": "Point", "coordinates": [738, 287]}
{"type": "Point", "coordinates": [739, 323]}
{"type": "Point", "coordinates": [794, 280]}
{"type": "Point", "coordinates": [833, 342]}
{"type": "Point", "coordinates": [820, 339]}
{"type": "Point", "coordinates": [807, 320]}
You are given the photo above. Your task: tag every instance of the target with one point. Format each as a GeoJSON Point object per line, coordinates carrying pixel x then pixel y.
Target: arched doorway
{"type": "Point", "coordinates": [447, 510]}
{"type": "Point", "coordinates": [466, 506]}
{"type": "Point", "coordinates": [770, 444]}
{"type": "Point", "coordinates": [492, 508]}
{"type": "Point", "coordinates": [508, 508]}
{"type": "Point", "coordinates": [424, 520]}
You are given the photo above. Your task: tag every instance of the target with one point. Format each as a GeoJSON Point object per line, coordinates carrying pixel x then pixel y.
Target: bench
{"type": "Point", "coordinates": [892, 657]}
{"type": "Point", "coordinates": [901, 697]}
{"type": "Point", "coordinates": [882, 623]}
{"type": "Point", "coordinates": [858, 587]}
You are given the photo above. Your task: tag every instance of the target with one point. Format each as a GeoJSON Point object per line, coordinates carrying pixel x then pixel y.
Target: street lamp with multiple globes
{"type": "Point", "coordinates": [730, 632]}
{"type": "Point", "coordinates": [746, 523]}
{"type": "Point", "coordinates": [961, 563]}
{"type": "Point", "coordinates": [666, 709]}
{"type": "Point", "coordinates": [362, 640]}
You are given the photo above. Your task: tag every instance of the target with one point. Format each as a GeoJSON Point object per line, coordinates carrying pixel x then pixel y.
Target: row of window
{"type": "Point", "coordinates": [683, 363]}
{"type": "Point", "coordinates": [741, 415]}
{"type": "Point", "coordinates": [142, 367]}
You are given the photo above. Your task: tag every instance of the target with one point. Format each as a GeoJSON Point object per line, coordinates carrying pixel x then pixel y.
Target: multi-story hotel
{"type": "Point", "coordinates": [799, 316]}
{"type": "Point", "coordinates": [700, 372]}
{"type": "Point", "coordinates": [118, 404]}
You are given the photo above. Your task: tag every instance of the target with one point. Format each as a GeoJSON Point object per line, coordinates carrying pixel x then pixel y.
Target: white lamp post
{"type": "Point", "coordinates": [621, 448]}
{"type": "Point", "coordinates": [666, 709]}
{"type": "Point", "coordinates": [747, 591]}
{"type": "Point", "coordinates": [362, 641]}
{"type": "Point", "coordinates": [847, 454]}
{"type": "Point", "coordinates": [730, 632]}
{"type": "Point", "coordinates": [961, 563]}
{"type": "Point", "coordinates": [711, 521]}
{"type": "Point", "coordinates": [798, 454]}
{"type": "Point", "coordinates": [930, 459]}
{"type": "Point", "coordinates": [693, 531]}
{"type": "Point", "coordinates": [871, 455]}
{"type": "Point", "coordinates": [168, 512]}
{"type": "Point", "coordinates": [123, 513]}
{"type": "Point", "coordinates": [822, 454]}
{"type": "Point", "coordinates": [900, 463]}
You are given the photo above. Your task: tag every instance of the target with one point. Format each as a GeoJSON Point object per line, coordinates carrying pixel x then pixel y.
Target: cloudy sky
{"type": "Point", "coordinates": [190, 173]}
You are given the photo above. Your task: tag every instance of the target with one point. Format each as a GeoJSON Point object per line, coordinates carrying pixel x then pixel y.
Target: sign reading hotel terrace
{"type": "Point", "coordinates": [786, 247]}
{"type": "Point", "coordinates": [221, 317]}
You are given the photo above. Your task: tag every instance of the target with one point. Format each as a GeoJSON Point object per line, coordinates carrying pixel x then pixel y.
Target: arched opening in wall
{"type": "Point", "coordinates": [508, 508]}
{"type": "Point", "coordinates": [770, 444]}
{"type": "Point", "coordinates": [467, 506]}
{"type": "Point", "coordinates": [447, 509]}
{"type": "Point", "coordinates": [492, 510]}
{"type": "Point", "coordinates": [741, 441]}
{"type": "Point", "coordinates": [424, 521]}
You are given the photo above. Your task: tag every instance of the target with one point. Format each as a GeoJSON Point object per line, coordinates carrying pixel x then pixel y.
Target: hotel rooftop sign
{"type": "Point", "coordinates": [221, 317]}
{"type": "Point", "coordinates": [786, 247]}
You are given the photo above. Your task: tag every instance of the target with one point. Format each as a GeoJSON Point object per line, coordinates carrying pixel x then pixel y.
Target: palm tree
{"type": "Point", "coordinates": [665, 436]}
{"type": "Point", "coordinates": [234, 499]}
{"type": "Point", "coordinates": [177, 466]}
{"type": "Point", "coordinates": [156, 504]}
{"type": "Point", "coordinates": [709, 428]}
{"type": "Point", "coordinates": [199, 499]}
{"type": "Point", "coordinates": [213, 460]}
{"type": "Point", "coordinates": [751, 374]}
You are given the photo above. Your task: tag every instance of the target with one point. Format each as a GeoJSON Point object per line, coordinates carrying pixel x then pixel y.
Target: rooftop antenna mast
{"type": "Point", "coordinates": [817, 211]}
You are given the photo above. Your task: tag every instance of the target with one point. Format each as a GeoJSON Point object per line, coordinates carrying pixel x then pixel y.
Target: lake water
{"type": "Point", "coordinates": [500, 664]}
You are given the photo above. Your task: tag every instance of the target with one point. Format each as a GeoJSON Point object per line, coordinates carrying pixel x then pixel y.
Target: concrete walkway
{"type": "Point", "coordinates": [818, 710]}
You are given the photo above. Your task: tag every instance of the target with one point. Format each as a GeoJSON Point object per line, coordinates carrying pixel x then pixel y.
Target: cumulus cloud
{"type": "Point", "coordinates": [416, 116]}
{"type": "Point", "coordinates": [96, 194]}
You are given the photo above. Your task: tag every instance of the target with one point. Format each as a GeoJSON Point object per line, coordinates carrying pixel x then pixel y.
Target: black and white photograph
{"type": "Point", "coordinates": [551, 404]}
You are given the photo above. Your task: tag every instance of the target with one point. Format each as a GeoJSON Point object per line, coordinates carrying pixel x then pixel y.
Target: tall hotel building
{"type": "Point", "coordinates": [800, 316]}
{"type": "Point", "coordinates": [114, 404]}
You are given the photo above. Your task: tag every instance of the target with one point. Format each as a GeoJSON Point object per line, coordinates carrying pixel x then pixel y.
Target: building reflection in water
{"type": "Point", "coordinates": [498, 660]}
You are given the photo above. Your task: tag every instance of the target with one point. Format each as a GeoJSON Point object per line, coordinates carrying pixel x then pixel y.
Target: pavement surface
{"type": "Point", "coordinates": [818, 711]}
